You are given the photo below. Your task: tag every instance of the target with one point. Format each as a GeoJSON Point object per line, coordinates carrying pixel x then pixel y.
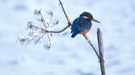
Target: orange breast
{"type": "Point", "coordinates": [85, 31]}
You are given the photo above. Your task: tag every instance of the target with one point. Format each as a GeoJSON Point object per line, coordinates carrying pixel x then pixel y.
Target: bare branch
{"type": "Point", "coordinates": [100, 46]}
{"type": "Point", "coordinates": [92, 46]}
{"type": "Point", "coordinates": [59, 30]}
{"type": "Point", "coordinates": [64, 11]}
{"type": "Point", "coordinates": [100, 43]}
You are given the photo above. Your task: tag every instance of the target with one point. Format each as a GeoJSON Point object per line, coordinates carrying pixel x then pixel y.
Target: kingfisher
{"type": "Point", "coordinates": [82, 24]}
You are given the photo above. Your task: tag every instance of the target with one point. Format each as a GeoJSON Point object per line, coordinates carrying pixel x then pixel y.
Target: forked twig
{"type": "Point", "coordinates": [44, 30]}
{"type": "Point", "coordinates": [69, 24]}
{"type": "Point", "coordinates": [100, 46]}
{"type": "Point", "coordinates": [59, 30]}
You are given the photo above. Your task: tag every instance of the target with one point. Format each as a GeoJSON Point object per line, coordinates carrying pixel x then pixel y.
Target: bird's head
{"type": "Point", "coordinates": [88, 15]}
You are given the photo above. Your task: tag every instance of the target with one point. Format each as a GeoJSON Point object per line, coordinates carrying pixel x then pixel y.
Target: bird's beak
{"type": "Point", "coordinates": [95, 20]}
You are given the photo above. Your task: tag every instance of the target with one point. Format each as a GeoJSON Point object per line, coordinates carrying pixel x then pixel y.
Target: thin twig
{"type": "Point", "coordinates": [59, 30]}
{"type": "Point", "coordinates": [64, 11]}
{"type": "Point", "coordinates": [43, 20]}
{"type": "Point", "coordinates": [100, 43]}
{"type": "Point", "coordinates": [39, 38]}
{"type": "Point", "coordinates": [69, 24]}
{"type": "Point", "coordinates": [92, 46]}
{"type": "Point", "coordinates": [49, 40]}
{"type": "Point", "coordinates": [51, 16]}
{"type": "Point", "coordinates": [100, 46]}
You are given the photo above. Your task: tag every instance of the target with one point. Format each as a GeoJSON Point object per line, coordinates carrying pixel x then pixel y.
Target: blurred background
{"type": "Point", "coordinates": [68, 56]}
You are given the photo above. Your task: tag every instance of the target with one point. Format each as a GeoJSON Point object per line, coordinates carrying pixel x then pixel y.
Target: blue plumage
{"type": "Point", "coordinates": [81, 23]}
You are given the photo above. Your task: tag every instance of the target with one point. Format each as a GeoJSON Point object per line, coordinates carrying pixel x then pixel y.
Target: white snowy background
{"type": "Point", "coordinates": [68, 56]}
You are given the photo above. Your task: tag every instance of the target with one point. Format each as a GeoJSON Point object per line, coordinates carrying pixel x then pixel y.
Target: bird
{"type": "Point", "coordinates": [82, 24]}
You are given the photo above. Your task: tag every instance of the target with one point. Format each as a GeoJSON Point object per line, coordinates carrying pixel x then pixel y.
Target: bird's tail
{"type": "Point", "coordinates": [73, 35]}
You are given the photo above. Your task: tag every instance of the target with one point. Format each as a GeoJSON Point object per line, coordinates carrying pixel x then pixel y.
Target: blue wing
{"type": "Point", "coordinates": [79, 25]}
{"type": "Point", "coordinates": [74, 27]}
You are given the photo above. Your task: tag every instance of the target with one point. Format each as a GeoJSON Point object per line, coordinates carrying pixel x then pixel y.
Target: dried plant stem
{"type": "Point", "coordinates": [64, 11]}
{"type": "Point", "coordinates": [59, 30]}
{"type": "Point", "coordinates": [92, 46]}
{"type": "Point", "coordinates": [39, 38]}
{"type": "Point", "coordinates": [69, 24]}
{"type": "Point", "coordinates": [99, 37]}
{"type": "Point", "coordinates": [100, 54]}
{"type": "Point", "coordinates": [49, 40]}
{"type": "Point", "coordinates": [100, 46]}
{"type": "Point", "coordinates": [43, 21]}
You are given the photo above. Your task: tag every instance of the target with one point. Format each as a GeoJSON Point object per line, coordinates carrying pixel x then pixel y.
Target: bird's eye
{"type": "Point", "coordinates": [86, 17]}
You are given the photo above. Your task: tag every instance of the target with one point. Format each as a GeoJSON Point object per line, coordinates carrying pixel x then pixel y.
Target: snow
{"type": "Point", "coordinates": [68, 56]}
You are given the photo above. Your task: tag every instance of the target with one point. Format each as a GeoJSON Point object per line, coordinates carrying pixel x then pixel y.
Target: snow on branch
{"type": "Point", "coordinates": [37, 33]}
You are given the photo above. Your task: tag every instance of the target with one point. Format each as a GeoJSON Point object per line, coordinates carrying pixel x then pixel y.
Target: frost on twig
{"type": "Point", "coordinates": [43, 32]}
{"type": "Point", "coordinates": [39, 33]}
